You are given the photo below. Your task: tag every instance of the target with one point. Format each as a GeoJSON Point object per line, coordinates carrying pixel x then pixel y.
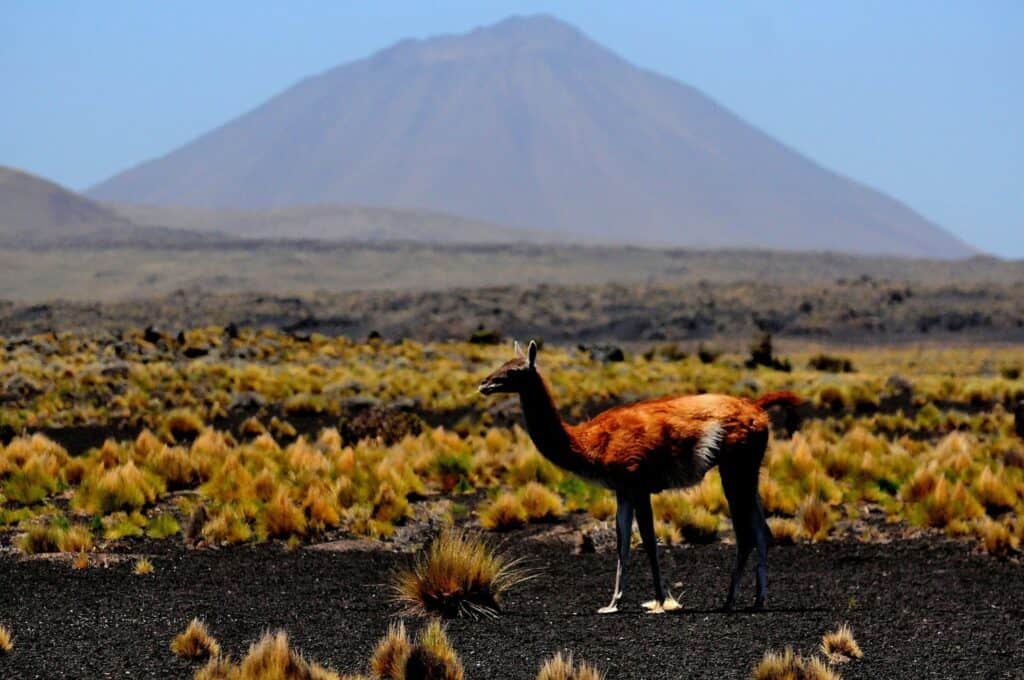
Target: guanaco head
{"type": "Point", "coordinates": [515, 375]}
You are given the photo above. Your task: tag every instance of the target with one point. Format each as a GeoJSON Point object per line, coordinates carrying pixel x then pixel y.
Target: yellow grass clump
{"type": "Point", "coordinates": [392, 653]}
{"type": "Point", "coordinates": [839, 646]}
{"type": "Point", "coordinates": [57, 536]}
{"type": "Point", "coordinates": [183, 422]}
{"type": "Point", "coordinates": [283, 518]}
{"type": "Point", "coordinates": [226, 527]}
{"type": "Point", "coordinates": [459, 574]}
{"type": "Point", "coordinates": [791, 666]}
{"type": "Point", "coordinates": [217, 668]}
{"type": "Point", "coordinates": [195, 642]}
{"type": "Point", "coordinates": [995, 538]}
{"type": "Point", "coordinates": [785, 531]}
{"type": "Point", "coordinates": [122, 487]}
{"type": "Point", "coordinates": [6, 640]}
{"type": "Point", "coordinates": [562, 667]}
{"type": "Point", "coordinates": [271, 658]}
{"type": "Point", "coordinates": [163, 525]}
{"type": "Point", "coordinates": [815, 518]}
{"type": "Point", "coordinates": [432, 657]}
{"type": "Point", "coordinates": [504, 513]}
{"type": "Point", "coordinates": [995, 494]}
{"type": "Point", "coordinates": [142, 567]}
{"type": "Point", "coordinates": [540, 502]}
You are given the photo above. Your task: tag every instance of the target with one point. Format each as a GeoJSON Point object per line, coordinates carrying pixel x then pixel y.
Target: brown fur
{"type": "Point", "coordinates": [652, 445]}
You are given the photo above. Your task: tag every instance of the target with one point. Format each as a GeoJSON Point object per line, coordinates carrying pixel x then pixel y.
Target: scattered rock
{"type": "Point", "coordinates": [359, 402]}
{"type": "Point", "coordinates": [485, 336]}
{"type": "Point", "coordinates": [18, 388]}
{"type": "Point", "coordinates": [247, 401]}
{"type": "Point", "coordinates": [603, 353]}
{"type": "Point", "coordinates": [152, 335]}
{"type": "Point", "coordinates": [195, 352]}
{"type": "Point", "coordinates": [118, 369]}
{"type": "Point", "coordinates": [584, 544]}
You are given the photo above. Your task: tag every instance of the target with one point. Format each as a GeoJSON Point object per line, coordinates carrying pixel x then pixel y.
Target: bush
{"type": "Point", "coordinates": [457, 575]}
{"type": "Point", "coordinates": [839, 646]}
{"type": "Point", "coordinates": [561, 667]}
{"type": "Point", "coordinates": [431, 658]}
{"type": "Point", "coordinates": [830, 364]}
{"type": "Point", "coordinates": [505, 513]}
{"type": "Point", "coordinates": [540, 502]}
{"type": "Point", "coordinates": [57, 536]}
{"type": "Point", "coordinates": [195, 643]}
{"type": "Point", "coordinates": [6, 640]}
{"type": "Point", "coordinates": [272, 657]}
{"type": "Point", "coordinates": [763, 354]}
{"type": "Point", "coordinates": [790, 666]}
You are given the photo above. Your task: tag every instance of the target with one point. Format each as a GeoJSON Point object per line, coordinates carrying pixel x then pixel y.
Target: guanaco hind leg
{"type": "Point", "coordinates": [623, 533]}
{"type": "Point", "coordinates": [740, 488]}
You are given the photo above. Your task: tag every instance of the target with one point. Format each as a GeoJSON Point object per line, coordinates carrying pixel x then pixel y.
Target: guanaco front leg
{"type": "Point", "coordinates": [645, 521]}
{"type": "Point", "coordinates": [623, 533]}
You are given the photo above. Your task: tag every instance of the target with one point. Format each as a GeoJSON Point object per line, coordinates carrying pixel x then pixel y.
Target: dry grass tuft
{"type": "Point", "coordinates": [122, 487]}
{"type": "Point", "coordinates": [790, 666]}
{"type": "Point", "coordinates": [55, 537]}
{"type": "Point", "coordinates": [561, 667]}
{"type": "Point", "coordinates": [815, 518]}
{"type": "Point", "coordinates": [6, 640]}
{"type": "Point", "coordinates": [457, 575]}
{"type": "Point", "coordinates": [785, 531]}
{"type": "Point", "coordinates": [541, 503]}
{"type": "Point", "coordinates": [996, 538]}
{"type": "Point", "coordinates": [839, 646]}
{"type": "Point", "coordinates": [505, 513]}
{"type": "Point", "coordinates": [195, 643]}
{"type": "Point", "coordinates": [183, 422]}
{"type": "Point", "coordinates": [433, 657]}
{"type": "Point", "coordinates": [994, 493]}
{"type": "Point", "coordinates": [143, 567]}
{"type": "Point", "coordinates": [283, 517]}
{"type": "Point", "coordinates": [217, 668]}
{"type": "Point", "coordinates": [273, 658]}
{"type": "Point", "coordinates": [391, 653]}
{"type": "Point", "coordinates": [81, 561]}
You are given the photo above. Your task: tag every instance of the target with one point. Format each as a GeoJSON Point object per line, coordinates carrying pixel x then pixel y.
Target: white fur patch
{"type": "Point", "coordinates": [706, 450]}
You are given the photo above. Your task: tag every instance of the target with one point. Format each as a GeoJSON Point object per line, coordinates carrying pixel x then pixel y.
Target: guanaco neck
{"type": "Point", "coordinates": [550, 434]}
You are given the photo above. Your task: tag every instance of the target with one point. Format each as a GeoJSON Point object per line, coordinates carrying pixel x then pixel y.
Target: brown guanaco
{"type": "Point", "coordinates": [649, 446]}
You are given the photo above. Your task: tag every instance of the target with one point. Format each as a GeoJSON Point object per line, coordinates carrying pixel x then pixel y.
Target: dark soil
{"type": "Point", "coordinates": [920, 609]}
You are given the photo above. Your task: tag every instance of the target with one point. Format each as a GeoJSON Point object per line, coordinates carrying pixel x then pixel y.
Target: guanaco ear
{"type": "Point", "coordinates": [518, 350]}
{"type": "Point", "coordinates": [532, 353]}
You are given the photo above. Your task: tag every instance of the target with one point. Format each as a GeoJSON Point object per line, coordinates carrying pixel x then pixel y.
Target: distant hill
{"type": "Point", "coordinates": [333, 223]}
{"type": "Point", "coordinates": [530, 123]}
{"type": "Point", "coordinates": [35, 212]}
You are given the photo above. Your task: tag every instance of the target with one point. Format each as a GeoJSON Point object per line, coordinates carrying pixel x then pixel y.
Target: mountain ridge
{"type": "Point", "coordinates": [529, 123]}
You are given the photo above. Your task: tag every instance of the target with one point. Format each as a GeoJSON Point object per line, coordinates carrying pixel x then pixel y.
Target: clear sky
{"type": "Point", "coordinates": [923, 100]}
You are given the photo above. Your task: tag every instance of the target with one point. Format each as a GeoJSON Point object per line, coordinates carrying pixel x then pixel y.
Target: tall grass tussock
{"type": "Point", "coordinates": [195, 642]}
{"type": "Point", "coordinates": [458, 574]}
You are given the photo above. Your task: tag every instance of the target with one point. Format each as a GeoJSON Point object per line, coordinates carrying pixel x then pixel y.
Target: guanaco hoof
{"type": "Point", "coordinates": [669, 605]}
{"type": "Point", "coordinates": [610, 609]}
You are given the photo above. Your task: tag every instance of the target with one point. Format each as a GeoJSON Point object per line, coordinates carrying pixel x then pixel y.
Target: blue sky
{"type": "Point", "coordinates": [922, 100]}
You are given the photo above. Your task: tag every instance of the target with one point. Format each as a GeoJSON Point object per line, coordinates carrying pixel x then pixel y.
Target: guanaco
{"type": "Point", "coordinates": [650, 446]}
